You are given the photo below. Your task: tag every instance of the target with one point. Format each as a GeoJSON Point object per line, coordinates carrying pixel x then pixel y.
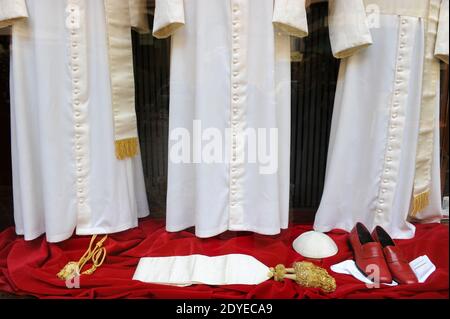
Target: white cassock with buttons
{"type": "Point", "coordinates": [230, 72]}
{"type": "Point", "coordinates": [69, 67]}
{"type": "Point", "coordinates": [383, 163]}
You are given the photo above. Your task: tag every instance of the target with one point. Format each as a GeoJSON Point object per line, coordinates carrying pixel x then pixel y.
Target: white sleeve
{"type": "Point", "coordinates": [169, 17]}
{"type": "Point", "coordinates": [441, 51]}
{"type": "Point", "coordinates": [349, 27]}
{"type": "Point", "coordinates": [11, 11]}
{"type": "Point", "coordinates": [289, 16]}
{"type": "Point", "coordinates": [139, 16]}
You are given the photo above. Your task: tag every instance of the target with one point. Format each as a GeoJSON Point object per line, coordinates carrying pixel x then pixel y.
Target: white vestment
{"type": "Point", "coordinates": [64, 63]}
{"type": "Point", "coordinates": [230, 71]}
{"type": "Point", "coordinates": [375, 130]}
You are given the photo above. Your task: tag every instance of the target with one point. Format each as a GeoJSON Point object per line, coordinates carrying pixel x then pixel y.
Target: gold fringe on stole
{"type": "Point", "coordinates": [420, 202]}
{"type": "Point", "coordinates": [127, 148]}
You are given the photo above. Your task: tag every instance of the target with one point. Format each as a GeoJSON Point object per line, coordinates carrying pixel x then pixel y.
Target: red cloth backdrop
{"type": "Point", "coordinates": [30, 268]}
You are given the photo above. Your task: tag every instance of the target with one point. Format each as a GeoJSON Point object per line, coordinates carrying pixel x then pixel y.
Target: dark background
{"type": "Point", "coordinates": [314, 75]}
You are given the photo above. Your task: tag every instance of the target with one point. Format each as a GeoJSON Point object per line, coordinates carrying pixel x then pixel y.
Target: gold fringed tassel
{"type": "Point", "coordinates": [420, 202]}
{"type": "Point", "coordinates": [127, 148]}
{"type": "Point", "coordinates": [305, 274]}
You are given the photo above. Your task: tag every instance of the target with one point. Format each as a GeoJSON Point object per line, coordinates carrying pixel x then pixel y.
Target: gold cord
{"type": "Point", "coordinates": [96, 254]}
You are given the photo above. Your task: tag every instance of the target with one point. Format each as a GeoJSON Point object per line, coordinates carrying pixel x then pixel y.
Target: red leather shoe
{"type": "Point", "coordinates": [397, 263]}
{"type": "Point", "coordinates": [369, 254]}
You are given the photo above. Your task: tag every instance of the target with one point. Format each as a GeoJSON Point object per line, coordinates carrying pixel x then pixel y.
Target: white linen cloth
{"type": "Point", "coordinates": [375, 132]}
{"type": "Point", "coordinates": [230, 71]}
{"type": "Point", "coordinates": [66, 176]}
{"type": "Point", "coordinates": [421, 266]}
{"type": "Point", "coordinates": [198, 269]}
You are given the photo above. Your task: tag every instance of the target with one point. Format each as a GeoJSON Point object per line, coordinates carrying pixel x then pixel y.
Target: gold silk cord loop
{"type": "Point", "coordinates": [95, 254]}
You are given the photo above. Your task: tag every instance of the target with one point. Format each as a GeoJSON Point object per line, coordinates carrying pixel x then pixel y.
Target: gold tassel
{"type": "Point", "coordinates": [95, 254]}
{"type": "Point", "coordinates": [420, 202]}
{"type": "Point", "coordinates": [127, 148]}
{"type": "Point", "coordinates": [305, 274]}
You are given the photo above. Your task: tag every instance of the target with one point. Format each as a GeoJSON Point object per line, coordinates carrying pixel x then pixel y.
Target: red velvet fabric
{"type": "Point", "coordinates": [30, 268]}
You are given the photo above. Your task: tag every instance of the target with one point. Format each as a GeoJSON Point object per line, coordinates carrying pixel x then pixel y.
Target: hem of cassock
{"type": "Point", "coordinates": [220, 230]}
{"type": "Point", "coordinates": [51, 239]}
{"type": "Point", "coordinates": [394, 234]}
{"type": "Point", "coordinates": [103, 230]}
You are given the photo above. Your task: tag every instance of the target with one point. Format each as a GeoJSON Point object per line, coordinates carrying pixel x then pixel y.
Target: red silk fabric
{"type": "Point", "coordinates": [30, 268]}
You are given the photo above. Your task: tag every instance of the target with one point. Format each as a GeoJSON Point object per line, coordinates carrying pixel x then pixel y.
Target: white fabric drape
{"type": "Point", "coordinates": [230, 69]}
{"type": "Point", "coordinates": [66, 176]}
{"type": "Point", "coordinates": [374, 134]}
{"type": "Point", "coordinates": [198, 269]}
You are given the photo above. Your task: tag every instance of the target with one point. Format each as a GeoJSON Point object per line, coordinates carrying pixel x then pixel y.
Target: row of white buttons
{"type": "Point", "coordinates": [388, 179]}
{"type": "Point", "coordinates": [235, 119]}
{"type": "Point", "coordinates": [79, 113]}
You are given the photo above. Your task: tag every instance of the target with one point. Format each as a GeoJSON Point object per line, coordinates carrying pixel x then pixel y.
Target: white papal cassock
{"type": "Point", "coordinates": [383, 163]}
{"type": "Point", "coordinates": [71, 67]}
{"type": "Point", "coordinates": [230, 69]}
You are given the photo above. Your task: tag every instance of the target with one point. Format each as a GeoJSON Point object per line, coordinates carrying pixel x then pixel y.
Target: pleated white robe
{"type": "Point", "coordinates": [375, 128]}
{"type": "Point", "coordinates": [230, 69]}
{"type": "Point", "coordinates": [66, 176]}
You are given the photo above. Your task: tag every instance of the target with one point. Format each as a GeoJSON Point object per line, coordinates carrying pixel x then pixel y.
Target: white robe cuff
{"type": "Point", "coordinates": [169, 17]}
{"type": "Point", "coordinates": [139, 16]}
{"type": "Point", "coordinates": [11, 11]}
{"type": "Point", "coordinates": [441, 51]}
{"type": "Point", "coordinates": [290, 17]}
{"type": "Point", "coordinates": [349, 27]}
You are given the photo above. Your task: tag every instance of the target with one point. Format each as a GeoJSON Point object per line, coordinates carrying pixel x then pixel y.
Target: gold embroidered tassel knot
{"type": "Point", "coordinates": [305, 274]}
{"type": "Point", "coordinates": [311, 276]}
{"type": "Point", "coordinates": [420, 202]}
{"type": "Point", "coordinates": [127, 148]}
{"type": "Point", "coordinates": [96, 254]}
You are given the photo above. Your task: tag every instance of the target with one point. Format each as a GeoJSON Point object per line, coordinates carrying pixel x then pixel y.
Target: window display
{"type": "Point", "coordinates": [83, 77]}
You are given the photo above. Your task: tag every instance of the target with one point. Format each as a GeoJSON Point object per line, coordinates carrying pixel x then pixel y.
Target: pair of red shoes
{"type": "Point", "coordinates": [377, 256]}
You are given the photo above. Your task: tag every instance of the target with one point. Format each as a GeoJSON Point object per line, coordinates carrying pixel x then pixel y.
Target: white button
{"type": "Point", "coordinates": [389, 159]}
{"type": "Point", "coordinates": [404, 21]}
{"type": "Point", "coordinates": [383, 190]}
{"type": "Point", "coordinates": [235, 86]}
{"type": "Point", "coordinates": [385, 181]}
{"type": "Point", "coordinates": [395, 115]}
{"type": "Point", "coordinates": [390, 148]}
{"type": "Point", "coordinates": [379, 211]}
{"type": "Point", "coordinates": [381, 201]}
